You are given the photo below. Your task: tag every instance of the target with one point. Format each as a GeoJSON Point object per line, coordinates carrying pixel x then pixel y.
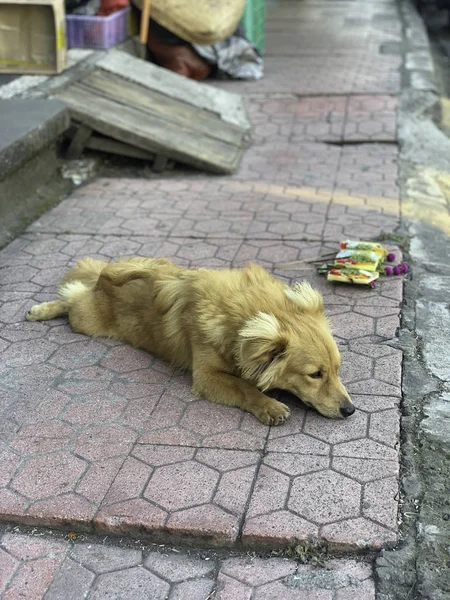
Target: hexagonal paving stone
{"type": "Point", "coordinates": [204, 491]}
{"type": "Point", "coordinates": [43, 437]}
{"type": "Point", "coordinates": [94, 409]}
{"type": "Point", "coordinates": [48, 475]}
{"type": "Point", "coordinates": [325, 497]}
{"type": "Point", "coordinates": [352, 326]}
{"type": "Point", "coordinates": [177, 567]}
{"type": "Point", "coordinates": [205, 418]}
{"type": "Point", "coordinates": [79, 354]}
{"type": "Point", "coordinates": [104, 441]}
{"type": "Point", "coordinates": [181, 485]}
{"type": "Point", "coordinates": [130, 584]}
{"type": "Point", "coordinates": [183, 420]}
{"type": "Point", "coordinates": [336, 431]}
{"type": "Point", "coordinates": [27, 353]}
{"type": "Point", "coordinates": [298, 495]}
{"type": "Point", "coordinates": [124, 358]}
{"type": "Point", "coordinates": [17, 274]}
{"type": "Point", "coordinates": [100, 559]}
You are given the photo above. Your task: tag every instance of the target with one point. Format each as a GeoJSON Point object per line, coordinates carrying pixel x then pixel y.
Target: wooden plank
{"type": "Point", "coordinates": [104, 144]}
{"type": "Point", "coordinates": [187, 118]}
{"type": "Point", "coordinates": [160, 164]}
{"type": "Point", "coordinates": [79, 140]}
{"type": "Point", "coordinates": [132, 126]}
{"type": "Point", "coordinates": [230, 107]}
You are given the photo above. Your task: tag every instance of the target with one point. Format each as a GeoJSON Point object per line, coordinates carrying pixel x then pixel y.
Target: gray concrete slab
{"type": "Point", "coordinates": [26, 127]}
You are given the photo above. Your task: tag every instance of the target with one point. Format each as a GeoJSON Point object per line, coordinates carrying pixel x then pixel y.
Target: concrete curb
{"type": "Point", "coordinates": [39, 124]}
{"type": "Point", "coordinates": [29, 181]}
{"type": "Point", "coordinates": [418, 567]}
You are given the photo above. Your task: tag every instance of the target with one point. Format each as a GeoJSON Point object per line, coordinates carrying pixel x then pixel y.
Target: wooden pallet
{"type": "Point", "coordinates": [142, 106]}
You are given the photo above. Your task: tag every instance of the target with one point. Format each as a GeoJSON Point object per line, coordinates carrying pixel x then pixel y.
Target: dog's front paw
{"type": "Point", "coordinates": [272, 412]}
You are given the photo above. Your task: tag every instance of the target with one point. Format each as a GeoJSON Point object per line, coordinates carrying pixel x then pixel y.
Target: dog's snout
{"type": "Point", "coordinates": [347, 411]}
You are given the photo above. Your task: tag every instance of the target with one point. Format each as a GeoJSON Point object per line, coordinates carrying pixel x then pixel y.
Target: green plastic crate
{"type": "Point", "coordinates": [253, 20]}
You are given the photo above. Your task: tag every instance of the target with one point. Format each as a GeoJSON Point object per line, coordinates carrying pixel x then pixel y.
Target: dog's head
{"type": "Point", "coordinates": [293, 349]}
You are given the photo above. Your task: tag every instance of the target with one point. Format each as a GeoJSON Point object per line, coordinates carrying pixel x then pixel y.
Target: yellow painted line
{"type": "Point", "coordinates": [425, 208]}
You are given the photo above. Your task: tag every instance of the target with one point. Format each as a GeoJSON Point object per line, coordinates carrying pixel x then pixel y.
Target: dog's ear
{"type": "Point", "coordinates": [305, 297]}
{"type": "Point", "coordinates": [261, 345]}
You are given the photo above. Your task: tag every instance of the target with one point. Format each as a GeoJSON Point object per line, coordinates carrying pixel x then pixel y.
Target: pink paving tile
{"type": "Point", "coordinates": [178, 567]}
{"type": "Point", "coordinates": [125, 517]}
{"type": "Point", "coordinates": [365, 469]}
{"type": "Point", "coordinates": [48, 475]}
{"type": "Point", "coordinates": [190, 493]}
{"type": "Point", "coordinates": [129, 583]}
{"type": "Point", "coordinates": [371, 118]}
{"type": "Point", "coordinates": [229, 588]}
{"type": "Point", "coordinates": [68, 511]}
{"type": "Point", "coordinates": [276, 578]}
{"type": "Point", "coordinates": [215, 526]}
{"type": "Point", "coordinates": [318, 74]}
{"type": "Point", "coordinates": [94, 408]}
{"type": "Point", "coordinates": [75, 408]}
{"type": "Point", "coordinates": [32, 579]}
{"type": "Point", "coordinates": [228, 213]}
{"type": "Point", "coordinates": [37, 566]}
{"type": "Point", "coordinates": [100, 558]}
{"type": "Point", "coordinates": [385, 427]}
{"type": "Point", "coordinates": [366, 533]}
{"type": "Point", "coordinates": [289, 164]}
{"type": "Point", "coordinates": [380, 502]}
{"type": "Point", "coordinates": [297, 119]}
{"type": "Point", "coordinates": [176, 422]}
{"type": "Point", "coordinates": [11, 503]}
{"type": "Point", "coordinates": [289, 504]}
{"type": "Point", "coordinates": [98, 478]}
{"type": "Point", "coordinates": [191, 590]}
{"type": "Point", "coordinates": [255, 572]}
{"type": "Point", "coordinates": [33, 439]}
{"type": "Point", "coordinates": [8, 566]}
{"type": "Point", "coordinates": [26, 547]}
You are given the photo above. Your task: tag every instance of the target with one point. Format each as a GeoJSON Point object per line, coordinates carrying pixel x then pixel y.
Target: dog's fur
{"type": "Point", "coordinates": [241, 332]}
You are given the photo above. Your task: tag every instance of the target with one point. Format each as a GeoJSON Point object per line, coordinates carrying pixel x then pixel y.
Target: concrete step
{"type": "Point", "coordinates": [30, 131]}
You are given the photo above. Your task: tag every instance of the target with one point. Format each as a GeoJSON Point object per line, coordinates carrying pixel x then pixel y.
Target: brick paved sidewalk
{"type": "Point", "coordinates": [98, 437]}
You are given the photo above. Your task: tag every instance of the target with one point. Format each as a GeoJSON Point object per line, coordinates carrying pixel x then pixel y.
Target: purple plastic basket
{"type": "Point", "coordinates": [99, 33]}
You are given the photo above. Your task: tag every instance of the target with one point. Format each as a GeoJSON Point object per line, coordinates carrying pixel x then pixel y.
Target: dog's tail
{"type": "Point", "coordinates": [86, 271]}
{"type": "Point", "coordinates": [119, 274]}
{"type": "Point", "coordinates": [80, 281]}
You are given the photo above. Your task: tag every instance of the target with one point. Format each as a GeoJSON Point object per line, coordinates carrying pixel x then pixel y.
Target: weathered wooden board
{"type": "Point", "coordinates": [142, 105]}
{"type": "Point", "coordinates": [80, 141]}
{"type": "Point", "coordinates": [230, 107]}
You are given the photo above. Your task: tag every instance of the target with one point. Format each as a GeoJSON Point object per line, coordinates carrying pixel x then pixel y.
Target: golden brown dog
{"type": "Point", "coordinates": [240, 331]}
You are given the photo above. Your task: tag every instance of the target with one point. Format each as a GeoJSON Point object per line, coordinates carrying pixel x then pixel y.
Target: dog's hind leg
{"type": "Point", "coordinates": [47, 311]}
{"type": "Point", "coordinates": [68, 294]}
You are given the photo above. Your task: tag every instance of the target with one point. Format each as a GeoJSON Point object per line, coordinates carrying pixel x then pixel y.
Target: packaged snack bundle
{"type": "Point", "coordinates": [360, 262]}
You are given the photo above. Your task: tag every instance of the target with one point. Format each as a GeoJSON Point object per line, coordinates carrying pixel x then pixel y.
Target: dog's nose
{"type": "Point", "coordinates": [347, 411]}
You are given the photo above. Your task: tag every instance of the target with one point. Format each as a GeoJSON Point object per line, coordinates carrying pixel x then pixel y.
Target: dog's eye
{"type": "Point", "coordinates": [316, 375]}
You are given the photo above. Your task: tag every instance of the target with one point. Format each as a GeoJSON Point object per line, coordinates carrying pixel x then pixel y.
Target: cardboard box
{"type": "Point", "coordinates": [32, 36]}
